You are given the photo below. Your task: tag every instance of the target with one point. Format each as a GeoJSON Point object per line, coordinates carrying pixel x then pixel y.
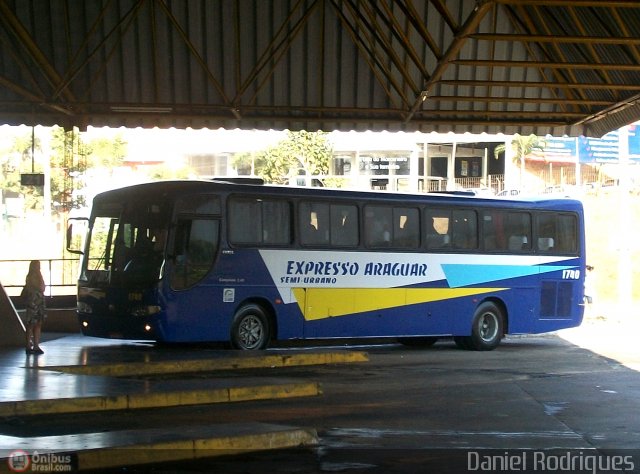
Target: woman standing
{"type": "Point", "coordinates": [36, 311]}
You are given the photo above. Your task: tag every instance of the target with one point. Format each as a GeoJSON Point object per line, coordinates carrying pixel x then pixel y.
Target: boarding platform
{"type": "Point", "coordinates": [78, 374]}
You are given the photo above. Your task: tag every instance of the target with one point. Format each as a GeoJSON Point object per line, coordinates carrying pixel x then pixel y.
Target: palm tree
{"type": "Point", "coordinates": [521, 146]}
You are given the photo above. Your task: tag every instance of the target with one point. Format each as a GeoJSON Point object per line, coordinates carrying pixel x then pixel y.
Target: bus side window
{"type": "Point", "coordinates": [245, 221]}
{"type": "Point", "coordinates": [392, 227]}
{"type": "Point", "coordinates": [313, 221]}
{"type": "Point", "coordinates": [546, 232]}
{"type": "Point", "coordinates": [465, 230]}
{"type": "Point", "coordinates": [406, 232]}
{"type": "Point", "coordinates": [557, 233]}
{"type": "Point", "coordinates": [259, 222]}
{"type": "Point", "coordinates": [276, 220]}
{"type": "Point", "coordinates": [344, 225]}
{"type": "Point", "coordinates": [438, 223]}
{"type": "Point", "coordinates": [519, 231]}
{"type": "Point", "coordinates": [493, 230]}
{"type": "Point", "coordinates": [567, 233]}
{"type": "Point", "coordinates": [378, 225]}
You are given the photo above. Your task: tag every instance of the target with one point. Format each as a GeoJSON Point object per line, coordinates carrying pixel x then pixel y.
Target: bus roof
{"type": "Point", "coordinates": [174, 188]}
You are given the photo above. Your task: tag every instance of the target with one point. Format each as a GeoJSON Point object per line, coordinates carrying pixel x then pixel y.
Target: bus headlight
{"type": "Point", "coordinates": [148, 310]}
{"type": "Point", "coordinates": [84, 307]}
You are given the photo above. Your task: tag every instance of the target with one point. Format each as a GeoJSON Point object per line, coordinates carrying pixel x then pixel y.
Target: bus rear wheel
{"type": "Point", "coordinates": [487, 328]}
{"type": "Point", "coordinates": [250, 329]}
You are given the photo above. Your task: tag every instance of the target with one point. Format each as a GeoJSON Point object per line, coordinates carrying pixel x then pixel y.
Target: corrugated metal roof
{"type": "Point", "coordinates": [525, 66]}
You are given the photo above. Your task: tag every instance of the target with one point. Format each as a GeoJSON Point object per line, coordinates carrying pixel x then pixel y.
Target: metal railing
{"type": "Point", "coordinates": [60, 275]}
{"type": "Point", "coordinates": [494, 183]}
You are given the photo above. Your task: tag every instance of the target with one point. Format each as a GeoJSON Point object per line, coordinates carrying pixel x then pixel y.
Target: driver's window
{"type": "Point", "coordinates": [195, 248]}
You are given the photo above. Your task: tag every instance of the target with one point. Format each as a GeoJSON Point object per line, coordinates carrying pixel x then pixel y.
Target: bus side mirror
{"type": "Point", "coordinates": [75, 236]}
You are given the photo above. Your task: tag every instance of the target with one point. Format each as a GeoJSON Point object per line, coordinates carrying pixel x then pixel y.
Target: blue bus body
{"type": "Point", "coordinates": [310, 291]}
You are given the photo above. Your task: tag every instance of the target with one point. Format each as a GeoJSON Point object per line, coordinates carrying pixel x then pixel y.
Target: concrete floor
{"type": "Point", "coordinates": [374, 409]}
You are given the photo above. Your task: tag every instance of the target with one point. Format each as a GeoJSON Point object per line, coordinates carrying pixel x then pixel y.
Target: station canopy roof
{"type": "Point", "coordinates": [512, 66]}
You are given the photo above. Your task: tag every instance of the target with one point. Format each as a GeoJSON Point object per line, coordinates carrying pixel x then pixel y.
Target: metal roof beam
{"type": "Point", "coordinates": [194, 52]}
{"type": "Point", "coordinates": [370, 57]}
{"type": "Point", "coordinates": [33, 99]}
{"type": "Point", "coordinates": [460, 38]}
{"type": "Point", "coordinates": [376, 37]}
{"type": "Point", "coordinates": [549, 65]}
{"type": "Point", "coordinates": [398, 32]}
{"type": "Point", "coordinates": [15, 26]}
{"type": "Point", "coordinates": [550, 51]}
{"type": "Point", "coordinates": [543, 85]}
{"type": "Point", "coordinates": [521, 100]}
{"type": "Point", "coordinates": [412, 15]}
{"type": "Point", "coordinates": [503, 113]}
{"type": "Point", "coordinates": [275, 50]}
{"type": "Point", "coordinates": [73, 72]}
{"type": "Point", "coordinates": [554, 39]}
{"type": "Point", "coordinates": [574, 3]}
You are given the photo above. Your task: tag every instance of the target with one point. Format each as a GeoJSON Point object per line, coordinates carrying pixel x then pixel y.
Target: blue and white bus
{"type": "Point", "coordinates": [191, 261]}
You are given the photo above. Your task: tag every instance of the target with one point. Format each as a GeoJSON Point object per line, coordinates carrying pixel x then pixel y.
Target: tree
{"type": "Point", "coordinates": [243, 163]}
{"type": "Point", "coordinates": [303, 152]}
{"type": "Point", "coordinates": [165, 171]}
{"type": "Point", "coordinates": [106, 152]}
{"type": "Point", "coordinates": [64, 143]}
{"type": "Point", "coordinates": [20, 159]}
{"type": "Point", "coordinates": [521, 146]}
{"type": "Point", "coordinates": [71, 156]}
{"type": "Point", "coordinates": [68, 157]}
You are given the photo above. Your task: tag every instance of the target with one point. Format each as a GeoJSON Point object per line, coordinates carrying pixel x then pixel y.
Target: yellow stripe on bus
{"type": "Point", "coordinates": [321, 303]}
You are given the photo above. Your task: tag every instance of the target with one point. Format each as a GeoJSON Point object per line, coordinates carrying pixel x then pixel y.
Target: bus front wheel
{"type": "Point", "coordinates": [250, 329]}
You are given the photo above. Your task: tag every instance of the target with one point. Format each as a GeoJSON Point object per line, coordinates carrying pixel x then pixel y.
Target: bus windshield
{"type": "Point", "coordinates": [127, 243]}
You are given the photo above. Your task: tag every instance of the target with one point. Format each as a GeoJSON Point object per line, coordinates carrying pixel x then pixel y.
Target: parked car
{"type": "Point", "coordinates": [480, 191]}
{"type": "Point", "coordinates": [509, 193]}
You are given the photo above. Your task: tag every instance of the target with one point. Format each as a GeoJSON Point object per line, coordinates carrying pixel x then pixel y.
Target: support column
{"type": "Point", "coordinates": [451, 169]}
{"type": "Point", "coordinates": [485, 168]}
{"type": "Point", "coordinates": [625, 270]}
{"type": "Point", "coordinates": [13, 331]}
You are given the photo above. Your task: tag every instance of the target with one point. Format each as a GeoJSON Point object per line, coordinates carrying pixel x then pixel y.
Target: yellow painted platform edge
{"type": "Point", "coordinates": [209, 365]}
{"type": "Point", "coordinates": [185, 450]}
{"type": "Point", "coordinates": [159, 399]}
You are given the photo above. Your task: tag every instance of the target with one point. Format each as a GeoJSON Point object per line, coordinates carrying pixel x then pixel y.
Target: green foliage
{"type": "Point", "coordinates": [335, 182]}
{"type": "Point", "coordinates": [65, 145]}
{"type": "Point", "coordinates": [106, 153]}
{"type": "Point", "coordinates": [299, 154]}
{"type": "Point", "coordinates": [16, 160]}
{"type": "Point", "coordinates": [162, 172]}
{"type": "Point", "coordinates": [242, 163]}
{"type": "Point", "coordinates": [68, 158]}
{"type": "Point", "coordinates": [521, 146]}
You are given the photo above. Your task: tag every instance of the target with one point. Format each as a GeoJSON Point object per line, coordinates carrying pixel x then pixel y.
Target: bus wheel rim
{"type": "Point", "coordinates": [251, 332]}
{"type": "Point", "coordinates": [488, 327]}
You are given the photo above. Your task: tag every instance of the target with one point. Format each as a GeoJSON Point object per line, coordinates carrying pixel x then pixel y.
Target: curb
{"type": "Point", "coordinates": [159, 399]}
{"type": "Point", "coordinates": [211, 365]}
{"type": "Point", "coordinates": [137, 447]}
